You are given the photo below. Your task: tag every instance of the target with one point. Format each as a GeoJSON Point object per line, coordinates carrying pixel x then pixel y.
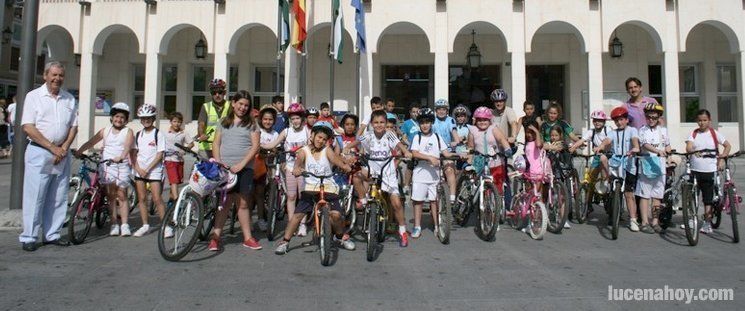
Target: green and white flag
{"type": "Point", "coordinates": [338, 31]}
{"type": "Point", "coordinates": [284, 25]}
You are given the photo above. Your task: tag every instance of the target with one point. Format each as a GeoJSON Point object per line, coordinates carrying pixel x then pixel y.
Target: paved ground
{"type": "Point", "coordinates": [568, 271]}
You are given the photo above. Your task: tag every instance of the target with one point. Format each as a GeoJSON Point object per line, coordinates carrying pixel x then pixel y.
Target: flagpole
{"type": "Point", "coordinates": [359, 82]}
{"type": "Point", "coordinates": [331, 57]}
{"type": "Point", "coordinates": [279, 46]}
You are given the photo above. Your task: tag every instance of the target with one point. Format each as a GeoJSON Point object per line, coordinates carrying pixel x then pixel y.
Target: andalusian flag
{"type": "Point", "coordinates": [338, 30]}
{"type": "Point", "coordinates": [284, 31]}
{"type": "Point", "coordinates": [299, 34]}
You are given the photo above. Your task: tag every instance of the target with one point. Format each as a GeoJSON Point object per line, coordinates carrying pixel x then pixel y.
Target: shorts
{"type": "Point", "coordinates": [390, 184]}
{"type": "Point", "coordinates": [308, 199]}
{"type": "Point", "coordinates": [294, 184]}
{"type": "Point", "coordinates": [631, 182]}
{"type": "Point", "coordinates": [116, 173]}
{"type": "Point", "coordinates": [647, 188]}
{"type": "Point", "coordinates": [175, 172]}
{"type": "Point", "coordinates": [147, 180]}
{"type": "Point", "coordinates": [155, 174]}
{"type": "Point", "coordinates": [245, 182]}
{"type": "Point", "coordinates": [705, 182]}
{"type": "Point", "coordinates": [423, 192]}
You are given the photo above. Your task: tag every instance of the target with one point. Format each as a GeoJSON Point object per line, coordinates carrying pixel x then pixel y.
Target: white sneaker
{"type": "Point", "coordinates": [346, 244]}
{"type": "Point", "coordinates": [263, 225]}
{"type": "Point", "coordinates": [142, 231]}
{"type": "Point", "coordinates": [125, 230]}
{"type": "Point", "coordinates": [114, 230]}
{"type": "Point", "coordinates": [168, 232]}
{"type": "Point", "coordinates": [706, 228]}
{"type": "Point", "coordinates": [633, 225]}
{"type": "Point", "coordinates": [566, 225]}
{"type": "Point", "coordinates": [302, 230]}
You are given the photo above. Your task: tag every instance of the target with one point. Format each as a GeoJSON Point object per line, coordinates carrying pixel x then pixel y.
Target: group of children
{"type": "Point", "coordinates": [314, 142]}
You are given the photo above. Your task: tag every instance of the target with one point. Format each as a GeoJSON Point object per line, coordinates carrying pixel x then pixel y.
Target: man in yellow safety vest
{"type": "Point", "coordinates": [210, 115]}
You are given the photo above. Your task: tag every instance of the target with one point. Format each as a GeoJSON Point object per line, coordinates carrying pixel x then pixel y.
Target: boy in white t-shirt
{"type": "Point", "coordinates": [595, 138]}
{"type": "Point", "coordinates": [427, 147]}
{"type": "Point", "coordinates": [705, 164]}
{"type": "Point", "coordinates": [150, 145]}
{"type": "Point", "coordinates": [174, 157]}
{"type": "Point", "coordinates": [655, 145]}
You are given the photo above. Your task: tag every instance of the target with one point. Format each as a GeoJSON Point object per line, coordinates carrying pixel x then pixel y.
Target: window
{"type": "Point", "coordinates": [200, 89]}
{"type": "Point", "coordinates": [690, 99]}
{"type": "Point", "coordinates": [233, 81]}
{"type": "Point", "coordinates": [265, 84]}
{"type": "Point", "coordinates": [727, 93]}
{"type": "Point", "coordinates": [472, 87]}
{"type": "Point", "coordinates": [169, 83]}
{"type": "Point", "coordinates": [138, 76]}
{"type": "Point", "coordinates": [15, 58]}
{"type": "Point", "coordinates": [655, 82]}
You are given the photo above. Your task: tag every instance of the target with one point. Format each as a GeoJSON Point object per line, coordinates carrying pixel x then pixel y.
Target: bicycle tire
{"type": "Point", "coordinates": [616, 211]}
{"type": "Point", "coordinates": [207, 223]}
{"type": "Point", "coordinates": [372, 228]}
{"type": "Point", "coordinates": [324, 238]}
{"type": "Point", "coordinates": [573, 191]}
{"type": "Point", "coordinates": [557, 209]}
{"type": "Point", "coordinates": [582, 204]}
{"type": "Point", "coordinates": [271, 207]}
{"type": "Point", "coordinates": [690, 219]}
{"type": "Point", "coordinates": [189, 201]}
{"type": "Point", "coordinates": [82, 211]}
{"type": "Point", "coordinates": [666, 210]}
{"type": "Point", "coordinates": [462, 208]}
{"type": "Point", "coordinates": [132, 198]}
{"type": "Point", "coordinates": [443, 215]}
{"type": "Point", "coordinates": [489, 216]}
{"type": "Point", "coordinates": [101, 216]}
{"type": "Point", "coordinates": [73, 193]}
{"type": "Point", "coordinates": [716, 213]}
{"type": "Point", "coordinates": [733, 210]}
{"type": "Point", "coordinates": [536, 230]}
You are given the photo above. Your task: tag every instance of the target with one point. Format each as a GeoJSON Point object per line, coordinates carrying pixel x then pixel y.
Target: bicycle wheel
{"type": "Point", "coordinates": [733, 210]}
{"type": "Point", "coordinates": [186, 221]}
{"type": "Point", "coordinates": [443, 215]}
{"type": "Point", "coordinates": [489, 215]}
{"type": "Point", "coordinates": [74, 191]}
{"type": "Point", "coordinates": [666, 210]}
{"type": "Point", "coordinates": [557, 208]}
{"type": "Point", "coordinates": [690, 217]}
{"type": "Point", "coordinates": [102, 215]}
{"type": "Point", "coordinates": [372, 230]}
{"type": "Point", "coordinates": [132, 198]}
{"type": "Point", "coordinates": [538, 220]}
{"type": "Point", "coordinates": [716, 212]}
{"type": "Point", "coordinates": [271, 206]}
{"type": "Point", "coordinates": [324, 238]}
{"type": "Point", "coordinates": [573, 192]}
{"type": "Point", "coordinates": [582, 204]}
{"type": "Point", "coordinates": [81, 219]}
{"type": "Point", "coordinates": [462, 207]}
{"type": "Point", "coordinates": [207, 223]}
{"type": "Point", "coordinates": [615, 215]}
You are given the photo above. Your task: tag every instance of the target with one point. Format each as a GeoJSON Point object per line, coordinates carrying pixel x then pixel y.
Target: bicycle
{"type": "Point", "coordinates": [527, 210]}
{"type": "Point", "coordinates": [377, 210]}
{"type": "Point", "coordinates": [616, 199]}
{"type": "Point", "coordinates": [92, 204]}
{"type": "Point", "coordinates": [558, 197]}
{"type": "Point", "coordinates": [591, 189]}
{"type": "Point", "coordinates": [690, 196]}
{"type": "Point", "coordinates": [476, 188]}
{"type": "Point", "coordinates": [189, 211]}
{"type": "Point", "coordinates": [727, 200]}
{"type": "Point", "coordinates": [444, 217]}
{"type": "Point", "coordinates": [671, 198]}
{"type": "Point", "coordinates": [321, 220]}
{"type": "Point", "coordinates": [276, 197]}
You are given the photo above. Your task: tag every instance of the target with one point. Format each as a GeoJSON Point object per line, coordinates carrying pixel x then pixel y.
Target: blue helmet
{"type": "Point", "coordinates": [391, 116]}
{"type": "Point", "coordinates": [324, 127]}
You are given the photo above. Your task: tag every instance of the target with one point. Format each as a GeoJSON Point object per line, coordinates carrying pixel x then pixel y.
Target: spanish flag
{"type": "Point", "coordinates": [298, 29]}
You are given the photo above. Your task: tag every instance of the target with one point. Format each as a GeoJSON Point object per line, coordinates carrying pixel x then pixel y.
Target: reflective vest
{"type": "Point", "coordinates": [213, 120]}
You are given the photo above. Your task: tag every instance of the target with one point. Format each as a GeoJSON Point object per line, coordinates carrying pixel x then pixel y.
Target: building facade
{"type": "Point", "coordinates": [689, 54]}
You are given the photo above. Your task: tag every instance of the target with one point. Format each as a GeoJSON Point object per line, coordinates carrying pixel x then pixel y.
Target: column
{"type": "Point", "coordinates": [594, 84]}
{"type": "Point", "coordinates": [222, 67]}
{"type": "Point", "coordinates": [441, 55]}
{"type": "Point", "coordinates": [153, 70]}
{"type": "Point", "coordinates": [518, 94]}
{"type": "Point", "coordinates": [87, 96]}
{"type": "Point", "coordinates": [672, 97]}
{"type": "Point", "coordinates": [741, 97]}
{"type": "Point", "coordinates": [292, 75]}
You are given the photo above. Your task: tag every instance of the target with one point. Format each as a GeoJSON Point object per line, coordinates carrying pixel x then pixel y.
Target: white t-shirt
{"type": "Point", "coordinates": [367, 121]}
{"type": "Point", "coordinates": [657, 137]}
{"type": "Point", "coordinates": [701, 142]}
{"type": "Point", "coordinates": [429, 145]}
{"type": "Point", "coordinates": [147, 149]}
{"type": "Point", "coordinates": [12, 113]}
{"type": "Point", "coordinates": [380, 149]}
{"type": "Point", "coordinates": [294, 140]}
{"type": "Point", "coordinates": [173, 154]}
{"type": "Point", "coordinates": [599, 136]}
{"type": "Point", "coordinates": [268, 137]}
{"type": "Point", "coordinates": [621, 144]}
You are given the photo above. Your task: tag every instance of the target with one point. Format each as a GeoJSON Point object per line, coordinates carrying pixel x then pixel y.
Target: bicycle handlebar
{"type": "Point", "coordinates": [309, 174]}
{"type": "Point", "coordinates": [497, 155]}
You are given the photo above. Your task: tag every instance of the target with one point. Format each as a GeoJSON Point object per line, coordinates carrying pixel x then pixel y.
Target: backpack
{"type": "Point", "coordinates": [713, 136]}
{"type": "Point", "coordinates": [137, 137]}
{"type": "Point", "coordinates": [592, 139]}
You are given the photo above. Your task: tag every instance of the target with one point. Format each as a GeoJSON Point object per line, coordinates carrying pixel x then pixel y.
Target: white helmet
{"type": "Point", "coordinates": [519, 164]}
{"type": "Point", "coordinates": [146, 110]}
{"type": "Point", "coordinates": [119, 107]}
{"type": "Point", "coordinates": [442, 103]}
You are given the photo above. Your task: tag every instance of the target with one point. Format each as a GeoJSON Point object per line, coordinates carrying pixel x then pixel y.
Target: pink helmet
{"type": "Point", "coordinates": [483, 113]}
{"type": "Point", "coordinates": [296, 108]}
{"type": "Point", "coordinates": [598, 115]}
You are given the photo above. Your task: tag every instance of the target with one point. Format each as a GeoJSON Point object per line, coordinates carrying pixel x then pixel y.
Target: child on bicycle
{"type": "Point", "coordinates": [327, 116]}
{"type": "Point", "coordinates": [703, 168]}
{"type": "Point", "coordinates": [311, 117]}
{"type": "Point", "coordinates": [294, 137]}
{"type": "Point", "coordinates": [267, 117]}
{"type": "Point", "coordinates": [624, 142]}
{"type": "Point", "coordinates": [379, 145]}
{"type": "Point", "coordinates": [117, 143]}
{"type": "Point", "coordinates": [529, 110]}
{"type": "Point", "coordinates": [427, 147]}
{"type": "Point", "coordinates": [461, 114]}
{"type": "Point", "coordinates": [553, 117]}
{"type": "Point", "coordinates": [537, 165]}
{"type": "Point", "coordinates": [558, 154]}
{"type": "Point", "coordinates": [595, 137]}
{"type": "Point", "coordinates": [342, 146]}
{"type": "Point", "coordinates": [316, 158]}
{"type": "Point", "coordinates": [445, 127]}
{"type": "Point", "coordinates": [236, 145]}
{"type": "Point", "coordinates": [655, 144]}
{"type": "Point", "coordinates": [174, 157]}
{"type": "Point", "coordinates": [148, 165]}
{"type": "Point", "coordinates": [487, 139]}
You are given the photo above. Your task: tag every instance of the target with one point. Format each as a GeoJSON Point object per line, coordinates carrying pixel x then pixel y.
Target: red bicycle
{"type": "Point", "coordinates": [91, 205]}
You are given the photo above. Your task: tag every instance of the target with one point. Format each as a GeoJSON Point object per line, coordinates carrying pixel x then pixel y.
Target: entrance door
{"type": "Point", "coordinates": [545, 83]}
{"type": "Point", "coordinates": [408, 84]}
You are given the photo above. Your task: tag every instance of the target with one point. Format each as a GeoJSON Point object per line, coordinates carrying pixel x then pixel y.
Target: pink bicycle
{"type": "Point", "coordinates": [527, 211]}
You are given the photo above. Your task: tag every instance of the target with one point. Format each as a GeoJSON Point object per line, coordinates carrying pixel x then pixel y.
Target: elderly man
{"type": "Point", "coordinates": [50, 119]}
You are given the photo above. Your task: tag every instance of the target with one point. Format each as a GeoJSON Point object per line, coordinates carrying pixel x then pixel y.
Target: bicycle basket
{"type": "Point", "coordinates": [205, 178]}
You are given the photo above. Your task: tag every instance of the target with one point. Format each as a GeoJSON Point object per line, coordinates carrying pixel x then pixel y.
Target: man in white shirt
{"type": "Point", "coordinates": [50, 120]}
{"type": "Point", "coordinates": [504, 117]}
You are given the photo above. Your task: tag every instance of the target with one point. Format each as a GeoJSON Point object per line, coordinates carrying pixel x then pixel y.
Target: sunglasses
{"type": "Point", "coordinates": [217, 92]}
{"type": "Point", "coordinates": [653, 118]}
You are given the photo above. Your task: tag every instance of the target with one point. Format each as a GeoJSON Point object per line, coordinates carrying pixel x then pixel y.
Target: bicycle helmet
{"type": "Point", "coordinates": [598, 115]}
{"type": "Point", "coordinates": [217, 85]}
{"type": "Point", "coordinates": [441, 103]}
{"type": "Point", "coordinates": [498, 95]}
{"type": "Point", "coordinates": [391, 116]}
{"type": "Point", "coordinates": [268, 108]}
{"type": "Point", "coordinates": [426, 114]}
{"type": "Point", "coordinates": [296, 109]}
{"type": "Point", "coordinates": [312, 111]}
{"type": "Point", "coordinates": [461, 110]}
{"type": "Point", "coordinates": [119, 107]}
{"type": "Point", "coordinates": [619, 112]}
{"type": "Point", "coordinates": [519, 164]}
{"type": "Point", "coordinates": [483, 113]}
{"type": "Point", "coordinates": [323, 127]}
{"type": "Point", "coordinates": [146, 110]}
{"type": "Point", "coordinates": [650, 107]}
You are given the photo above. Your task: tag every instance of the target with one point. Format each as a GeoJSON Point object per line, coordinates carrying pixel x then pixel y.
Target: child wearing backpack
{"type": "Point", "coordinates": [148, 153]}
{"type": "Point", "coordinates": [655, 145]}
